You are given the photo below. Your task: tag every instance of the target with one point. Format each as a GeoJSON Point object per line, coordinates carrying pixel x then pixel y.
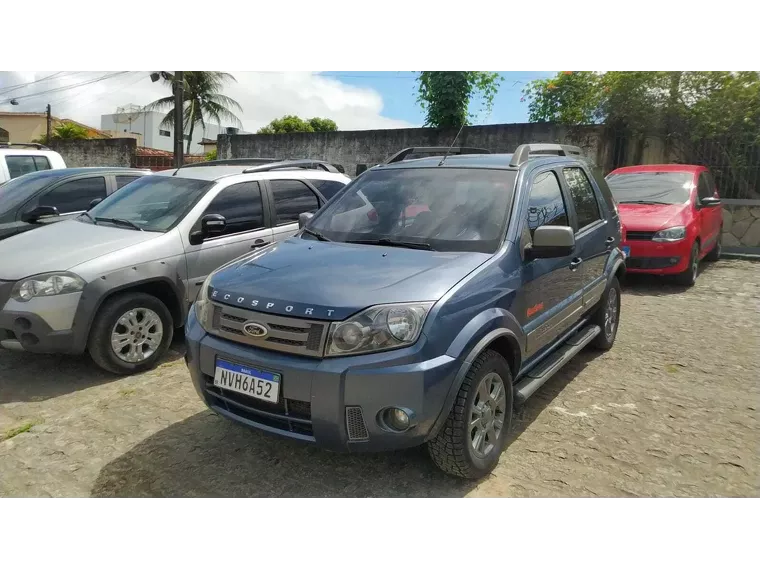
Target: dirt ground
{"type": "Point", "coordinates": [671, 410]}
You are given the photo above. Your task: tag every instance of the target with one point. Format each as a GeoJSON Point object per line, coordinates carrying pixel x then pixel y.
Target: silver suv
{"type": "Point", "coordinates": [118, 279]}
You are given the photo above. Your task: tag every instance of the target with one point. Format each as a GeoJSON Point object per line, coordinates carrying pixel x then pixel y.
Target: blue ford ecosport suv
{"type": "Point", "coordinates": [420, 305]}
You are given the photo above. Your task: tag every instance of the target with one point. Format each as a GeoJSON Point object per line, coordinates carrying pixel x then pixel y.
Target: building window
{"type": "Point", "coordinates": [164, 133]}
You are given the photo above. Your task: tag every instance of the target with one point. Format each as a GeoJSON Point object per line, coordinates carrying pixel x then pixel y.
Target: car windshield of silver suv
{"type": "Point", "coordinates": [447, 209]}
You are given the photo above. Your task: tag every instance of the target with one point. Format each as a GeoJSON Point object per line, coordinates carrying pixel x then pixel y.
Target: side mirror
{"type": "Point", "coordinates": [551, 241]}
{"type": "Point", "coordinates": [213, 224]}
{"type": "Point", "coordinates": [709, 202]}
{"type": "Point", "coordinates": [94, 202]}
{"type": "Point", "coordinates": [39, 212]}
{"type": "Point", "coordinates": [304, 218]}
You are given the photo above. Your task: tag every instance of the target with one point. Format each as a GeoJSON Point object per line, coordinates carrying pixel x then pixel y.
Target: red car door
{"type": "Point", "coordinates": [709, 217]}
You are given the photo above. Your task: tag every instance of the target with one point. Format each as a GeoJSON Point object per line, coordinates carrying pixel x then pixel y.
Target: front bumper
{"type": "Point", "coordinates": [659, 258]}
{"type": "Point", "coordinates": [319, 397]}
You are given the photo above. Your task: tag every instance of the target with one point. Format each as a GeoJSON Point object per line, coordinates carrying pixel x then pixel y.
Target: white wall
{"type": "Point", "coordinates": [147, 125]}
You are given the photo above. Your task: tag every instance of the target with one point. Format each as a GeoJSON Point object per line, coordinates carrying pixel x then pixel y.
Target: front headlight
{"type": "Point", "coordinates": [670, 234]}
{"type": "Point", "coordinates": [378, 328]}
{"type": "Point", "coordinates": [48, 284]}
{"type": "Point", "coordinates": [203, 307]}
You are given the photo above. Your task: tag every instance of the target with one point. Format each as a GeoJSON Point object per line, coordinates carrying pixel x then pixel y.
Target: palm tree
{"type": "Point", "coordinates": [202, 101]}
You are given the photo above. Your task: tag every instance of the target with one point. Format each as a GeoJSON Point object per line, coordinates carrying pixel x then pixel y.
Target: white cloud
{"type": "Point", "coordinates": [263, 96]}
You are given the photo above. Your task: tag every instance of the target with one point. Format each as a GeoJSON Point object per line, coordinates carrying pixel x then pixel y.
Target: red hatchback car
{"type": "Point", "coordinates": [671, 216]}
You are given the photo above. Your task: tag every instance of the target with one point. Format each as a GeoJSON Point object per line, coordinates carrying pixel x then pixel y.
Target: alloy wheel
{"type": "Point", "coordinates": [487, 414]}
{"type": "Point", "coordinates": [137, 335]}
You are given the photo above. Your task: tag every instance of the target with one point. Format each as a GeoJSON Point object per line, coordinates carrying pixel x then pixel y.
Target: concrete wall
{"type": "Point", "coordinates": [741, 226]}
{"type": "Point", "coordinates": [96, 152]}
{"type": "Point", "coordinates": [369, 147]}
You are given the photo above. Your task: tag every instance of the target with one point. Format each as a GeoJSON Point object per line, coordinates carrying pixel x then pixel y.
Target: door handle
{"type": "Point", "coordinates": [259, 243]}
{"type": "Point", "coordinates": [575, 263]}
{"type": "Point", "coordinates": [609, 241]}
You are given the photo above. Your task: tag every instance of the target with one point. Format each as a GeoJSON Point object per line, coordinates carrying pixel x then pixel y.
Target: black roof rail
{"type": "Point", "coordinates": [286, 164]}
{"type": "Point", "coordinates": [232, 162]}
{"type": "Point", "coordinates": [524, 151]}
{"type": "Point", "coordinates": [23, 145]}
{"type": "Point", "coordinates": [434, 151]}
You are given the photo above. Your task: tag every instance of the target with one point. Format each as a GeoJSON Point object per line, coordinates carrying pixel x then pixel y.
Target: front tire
{"type": "Point", "coordinates": [714, 254]}
{"type": "Point", "coordinates": [131, 333]}
{"type": "Point", "coordinates": [688, 278]}
{"type": "Point", "coordinates": [607, 317]}
{"type": "Point", "coordinates": [472, 439]}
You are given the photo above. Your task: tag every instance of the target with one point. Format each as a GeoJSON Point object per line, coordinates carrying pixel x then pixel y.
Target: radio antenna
{"type": "Point", "coordinates": [452, 145]}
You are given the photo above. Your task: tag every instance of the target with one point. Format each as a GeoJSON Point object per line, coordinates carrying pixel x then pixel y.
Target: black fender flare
{"type": "Point", "coordinates": [98, 290]}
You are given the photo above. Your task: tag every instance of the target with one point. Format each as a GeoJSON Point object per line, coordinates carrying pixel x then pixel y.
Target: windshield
{"type": "Point", "coordinates": [651, 187]}
{"type": "Point", "coordinates": [17, 191]}
{"type": "Point", "coordinates": [152, 203]}
{"type": "Point", "coordinates": [445, 209]}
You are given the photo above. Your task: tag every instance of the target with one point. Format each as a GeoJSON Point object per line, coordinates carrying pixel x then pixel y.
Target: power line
{"type": "Point", "coordinates": [66, 87]}
{"type": "Point", "coordinates": [21, 85]}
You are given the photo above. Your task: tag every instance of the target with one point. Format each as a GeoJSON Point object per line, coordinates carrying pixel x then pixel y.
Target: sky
{"type": "Point", "coordinates": [355, 100]}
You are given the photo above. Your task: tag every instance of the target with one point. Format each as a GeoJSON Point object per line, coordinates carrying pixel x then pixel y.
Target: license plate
{"type": "Point", "coordinates": [626, 251]}
{"type": "Point", "coordinates": [249, 381]}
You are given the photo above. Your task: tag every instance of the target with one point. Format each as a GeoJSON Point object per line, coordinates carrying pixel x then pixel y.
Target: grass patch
{"type": "Point", "coordinates": [10, 433]}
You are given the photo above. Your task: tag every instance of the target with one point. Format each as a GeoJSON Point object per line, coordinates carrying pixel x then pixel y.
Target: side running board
{"type": "Point", "coordinates": [538, 376]}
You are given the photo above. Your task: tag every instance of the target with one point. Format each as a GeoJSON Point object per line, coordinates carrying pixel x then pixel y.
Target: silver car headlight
{"type": "Point", "coordinates": [203, 308]}
{"type": "Point", "coordinates": [378, 328]}
{"type": "Point", "coordinates": [670, 234]}
{"type": "Point", "coordinates": [48, 284]}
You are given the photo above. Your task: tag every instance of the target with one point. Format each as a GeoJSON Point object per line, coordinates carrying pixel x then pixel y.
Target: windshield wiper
{"type": "Point", "coordinates": [316, 234]}
{"type": "Point", "coordinates": [122, 222]}
{"type": "Point", "coordinates": [392, 243]}
{"type": "Point", "coordinates": [91, 218]}
{"type": "Point", "coordinates": [646, 202]}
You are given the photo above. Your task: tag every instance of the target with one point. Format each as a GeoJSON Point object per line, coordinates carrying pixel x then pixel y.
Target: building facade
{"type": "Point", "coordinates": [27, 127]}
{"type": "Point", "coordinates": [147, 125]}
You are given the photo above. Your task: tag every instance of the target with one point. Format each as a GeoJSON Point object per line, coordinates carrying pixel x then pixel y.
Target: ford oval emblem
{"type": "Point", "coordinates": [255, 329]}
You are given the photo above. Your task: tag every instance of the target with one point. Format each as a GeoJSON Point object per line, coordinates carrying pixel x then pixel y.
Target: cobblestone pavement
{"type": "Point", "coordinates": [671, 410]}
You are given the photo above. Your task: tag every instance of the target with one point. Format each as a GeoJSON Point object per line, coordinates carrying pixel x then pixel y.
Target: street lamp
{"type": "Point", "coordinates": [47, 112]}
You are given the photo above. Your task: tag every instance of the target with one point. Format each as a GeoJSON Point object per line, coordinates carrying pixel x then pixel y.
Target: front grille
{"type": "Point", "coordinates": [287, 415]}
{"type": "Point", "coordinates": [651, 262]}
{"type": "Point", "coordinates": [357, 429]}
{"type": "Point", "coordinates": [639, 235]}
{"type": "Point", "coordinates": [293, 335]}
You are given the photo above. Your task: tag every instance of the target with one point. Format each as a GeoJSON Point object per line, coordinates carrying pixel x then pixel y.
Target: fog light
{"type": "Point", "coordinates": [396, 419]}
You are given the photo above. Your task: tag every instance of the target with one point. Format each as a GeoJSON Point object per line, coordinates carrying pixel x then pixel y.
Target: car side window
{"type": "Point", "coordinates": [122, 181]}
{"type": "Point", "coordinates": [20, 165]}
{"type": "Point", "coordinates": [241, 206]}
{"type": "Point", "coordinates": [328, 188]}
{"type": "Point", "coordinates": [584, 197]}
{"type": "Point", "coordinates": [75, 195]}
{"type": "Point", "coordinates": [703, 187]}
{"type": "Point", "coordinates": [291, 199]}
{"type": "Point", "coordinates": [546, 205]}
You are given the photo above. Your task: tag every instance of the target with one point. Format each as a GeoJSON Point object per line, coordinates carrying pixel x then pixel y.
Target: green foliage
{"type": "Point", "coordinates": [292, 123]}
{"type": "Point", "coordinates": [211, 155]}
{"type": "Point", "coordinates": [202, 102]}
{"type": "Point", "coordinates": [64, 131]}
{"type": "Point", "coordinates": [445, 95]}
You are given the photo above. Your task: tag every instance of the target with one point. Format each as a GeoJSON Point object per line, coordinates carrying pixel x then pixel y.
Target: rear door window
{"type": "Point", "coordinates": [584, 197]}
{"type": "Point", "coordinates": [75, 195]}
{"type": "Point", "coordinates": [20, 165]}
{"type": "Point", "coordinates": [291, 199]}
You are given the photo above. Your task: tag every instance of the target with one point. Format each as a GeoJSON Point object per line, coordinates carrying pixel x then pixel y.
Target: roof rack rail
{"type": "Point", "coordinates": [286, 164]}
{"type": "Point", "coordinates": [524, 151]}
{"type": "Point", "coordinates": [433, 151]}
{"type": "Point", "coordinates": [233, 162]}
{"type": "Point", "coordinates": [23, 145]}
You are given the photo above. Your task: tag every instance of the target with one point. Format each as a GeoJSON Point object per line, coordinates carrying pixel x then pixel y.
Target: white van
{"type": "Point", "coordinates": [19, 159]}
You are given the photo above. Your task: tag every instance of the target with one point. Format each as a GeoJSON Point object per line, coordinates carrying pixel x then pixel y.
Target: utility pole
{"type": "Point", "coordinates": [49, 120]}
{"type": "Point", "coordinates": [179, 126]}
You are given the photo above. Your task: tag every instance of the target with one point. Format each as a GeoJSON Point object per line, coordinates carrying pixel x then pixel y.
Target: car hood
{"type": "Point", "coordinates": [652, 217]}
{"type": "Point", "coordinates": [61, 246]}
{"type": "Point", "coordinates": [331, 281]}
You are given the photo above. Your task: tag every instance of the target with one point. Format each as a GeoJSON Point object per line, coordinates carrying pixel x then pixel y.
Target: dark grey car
{"type": "Point", "coordinates": [39, 198]}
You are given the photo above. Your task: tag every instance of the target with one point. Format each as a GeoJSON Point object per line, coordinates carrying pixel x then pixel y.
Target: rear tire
{"type": "Point", "coordinates": [140, 323]}
{"type": "Point", "coordinates": [607, 317]}
{"type": "Point", "coordinates": [470, 442]}
{"type": "Point", "coordinates": [689, 277]}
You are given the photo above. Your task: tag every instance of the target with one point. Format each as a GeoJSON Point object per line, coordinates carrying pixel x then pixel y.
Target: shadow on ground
{"type": "Point", "coordinates": [206, 455]}
{"type": "Point", "coordinates": [26, 377]}
{"type": "Point", "coordinates": [642, 284]}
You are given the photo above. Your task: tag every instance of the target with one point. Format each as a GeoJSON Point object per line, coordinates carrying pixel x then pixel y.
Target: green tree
{"type": "Point", "coordinates": [293, 123]}
{"type": "Point", "coordinates": [65, 131]}
{"type": "Point", "coordinates": [211, 155]}
{"type": "Point", "coordinates": [445, 95]}
{"type": "Point", "coordinates": [203, 102]}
